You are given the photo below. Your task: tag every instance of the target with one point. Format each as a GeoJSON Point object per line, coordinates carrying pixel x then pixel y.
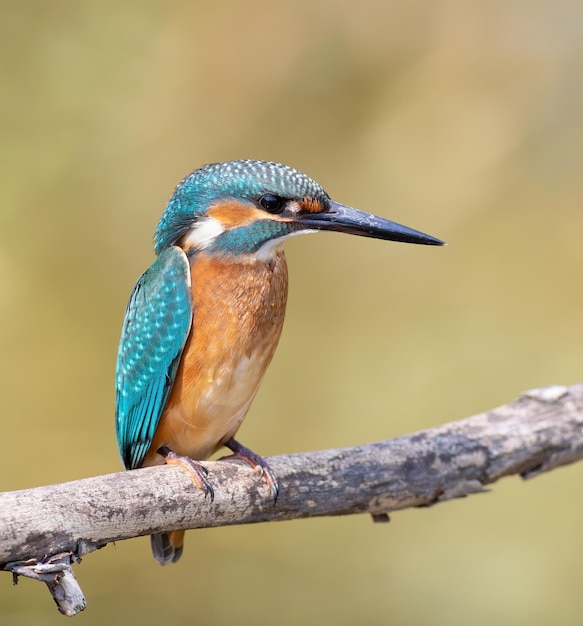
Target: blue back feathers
{"type": "Point", "coordinates": [244, 181]}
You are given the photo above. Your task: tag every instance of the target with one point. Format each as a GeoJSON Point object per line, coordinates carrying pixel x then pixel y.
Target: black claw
{"type": "Point", "coordinates": [241, 453]}
{"type": "Point", "coordinates": [197, 470]}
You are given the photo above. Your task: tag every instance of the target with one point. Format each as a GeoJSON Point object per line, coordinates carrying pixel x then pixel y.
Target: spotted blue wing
{"type": "Point", "coordinates": [156, 325]}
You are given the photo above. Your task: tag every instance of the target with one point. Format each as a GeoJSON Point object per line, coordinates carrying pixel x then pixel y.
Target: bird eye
{"type": "Point", "coordinates": [272, 204]}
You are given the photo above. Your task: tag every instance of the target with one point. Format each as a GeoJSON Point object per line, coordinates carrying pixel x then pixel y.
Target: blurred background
{"type": "Point", "coordinates": [462, 119]}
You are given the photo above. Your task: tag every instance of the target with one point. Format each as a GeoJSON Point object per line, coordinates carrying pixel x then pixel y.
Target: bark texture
{"type": "Point", "coordinates": [44, 530]}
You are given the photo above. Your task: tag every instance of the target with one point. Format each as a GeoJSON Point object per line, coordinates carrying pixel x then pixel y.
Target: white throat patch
{"type": "Point", "coordinates": [267, 250]}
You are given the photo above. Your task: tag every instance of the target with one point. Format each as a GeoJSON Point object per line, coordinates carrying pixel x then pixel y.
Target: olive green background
{"type": "Point", "coordinates": [462, 119]}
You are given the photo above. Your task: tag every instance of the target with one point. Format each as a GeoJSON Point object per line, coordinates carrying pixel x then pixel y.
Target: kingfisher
{"type": "Point", "coordinates": [203, 321]}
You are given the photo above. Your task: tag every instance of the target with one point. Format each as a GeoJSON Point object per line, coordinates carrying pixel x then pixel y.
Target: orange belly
{"type": "Point", "coordinates": [238, 313]}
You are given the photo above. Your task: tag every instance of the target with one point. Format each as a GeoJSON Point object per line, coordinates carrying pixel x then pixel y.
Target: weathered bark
{"type": "Point", "coordinates": [39, 527]}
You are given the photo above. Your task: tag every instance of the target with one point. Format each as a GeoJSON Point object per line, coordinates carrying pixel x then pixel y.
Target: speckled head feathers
{"type": "Point", "coordinates": [244, 181]}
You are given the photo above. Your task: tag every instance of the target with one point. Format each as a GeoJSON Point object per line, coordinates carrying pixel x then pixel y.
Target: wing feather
{"type": "Point", "coordinates": [157, 322]}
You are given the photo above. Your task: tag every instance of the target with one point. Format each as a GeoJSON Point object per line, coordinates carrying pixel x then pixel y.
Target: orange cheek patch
{"type": "Point", "coordinates": [234, 214]}
{"type": "Point", "coordinates": [311, 205]}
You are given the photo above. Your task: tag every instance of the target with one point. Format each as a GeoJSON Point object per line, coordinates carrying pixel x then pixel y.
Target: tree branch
{"type": "Point", "coordinates": [44, 529]}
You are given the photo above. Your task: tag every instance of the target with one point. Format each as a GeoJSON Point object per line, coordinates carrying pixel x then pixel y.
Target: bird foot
{"type": "Point", "coordinates": [197, 470]}
{"type": "Point", "coordinates": [259, 465]}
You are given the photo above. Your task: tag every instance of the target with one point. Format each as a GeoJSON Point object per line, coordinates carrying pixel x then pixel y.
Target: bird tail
{"type": "Point", "coordinates": [167, 547]}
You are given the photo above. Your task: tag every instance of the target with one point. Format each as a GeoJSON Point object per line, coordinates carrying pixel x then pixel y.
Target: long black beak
{"type": "Point", "coordinates": [345, 219]}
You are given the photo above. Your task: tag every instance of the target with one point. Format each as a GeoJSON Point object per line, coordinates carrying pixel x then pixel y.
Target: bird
{"type": "Point", "coordinates": [204, 320]}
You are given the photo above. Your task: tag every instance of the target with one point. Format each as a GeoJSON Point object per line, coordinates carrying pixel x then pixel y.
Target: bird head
{"type": "Point", "coordinates": [249, 207]}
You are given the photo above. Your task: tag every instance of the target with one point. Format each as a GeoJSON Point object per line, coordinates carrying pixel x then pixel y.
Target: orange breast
{"type": "Point", "coordinates": [238, 315]}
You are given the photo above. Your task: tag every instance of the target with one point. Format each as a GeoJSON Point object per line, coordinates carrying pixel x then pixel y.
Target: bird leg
{"type": "Point", "coordinates": [197, 470]}
{"type": "Point", "coordinates": [241, 453]}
